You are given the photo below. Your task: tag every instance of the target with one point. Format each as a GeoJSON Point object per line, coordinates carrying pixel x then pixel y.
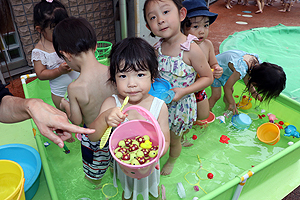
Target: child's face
{"type": "Point", "coordinates": [163, 17]}
{"type": "Point", "coordinates": [199, 27]}
{"type": "Point", "coordinates": [134, 84]}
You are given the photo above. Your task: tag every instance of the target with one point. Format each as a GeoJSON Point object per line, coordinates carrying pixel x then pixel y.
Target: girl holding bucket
{"type": "Point", "coordinates": [133, 68]}
{"type": "Point", "coordinates": [180, 59]}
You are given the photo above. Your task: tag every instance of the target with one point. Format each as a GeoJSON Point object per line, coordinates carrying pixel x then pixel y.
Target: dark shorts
{"type": "Point", "coordinates": [200, 96]}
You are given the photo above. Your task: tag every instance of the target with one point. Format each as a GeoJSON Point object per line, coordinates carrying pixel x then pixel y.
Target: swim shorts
{"type": "Point", "coordinates": [200, 95]}
{"type": "Point", "coordinates": [95, 160]}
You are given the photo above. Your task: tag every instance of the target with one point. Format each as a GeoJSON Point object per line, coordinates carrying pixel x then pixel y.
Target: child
{"type": "Point", "coordinates": [133, 68]}
{"type": "Point", "coordinates": [263, 80]}
{"type": "Point", "coordinates": [74, 39]}
{"type": "Point", "coordinates": [197, 23]}
{"type": "Point", "coordinates": [260, 5]}
{"type": "Point", "coordinates": [47, 65]}
{"type": "Point", "coordinates": [180, 59]}
{"type": "Point", "coordinates": [287, 5]}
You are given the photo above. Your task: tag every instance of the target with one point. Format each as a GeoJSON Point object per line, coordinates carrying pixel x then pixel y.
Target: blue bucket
{"type": "Point", "coordinates": [29, 159]}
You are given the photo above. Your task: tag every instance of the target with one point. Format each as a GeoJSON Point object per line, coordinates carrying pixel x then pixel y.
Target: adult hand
{"type": "Point", "coordinates": [49, 119]}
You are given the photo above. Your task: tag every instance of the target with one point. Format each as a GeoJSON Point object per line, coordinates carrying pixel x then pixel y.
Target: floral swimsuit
{"type": "Point", "coordinates": [182, 113]}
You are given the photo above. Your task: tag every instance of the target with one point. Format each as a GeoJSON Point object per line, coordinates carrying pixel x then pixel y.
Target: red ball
{"type": "Point", "coordinates": [281, 122]}
{"type": "Point", "coordinates": [194, 137]}
{"type": "Point", "coordinates": [210, 175]}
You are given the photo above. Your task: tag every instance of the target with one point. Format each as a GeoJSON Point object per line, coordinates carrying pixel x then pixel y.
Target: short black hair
{"type": "Point", "coordinates": [74, 36]}
{"type": "Point", "coordinates": [268, 79]}
{"type": "Point", "coordinates": [132, 53]}
{"type": "Point", "coordinates": [178, 4]}
{"type": "Point", "coordinates": [49, 14]}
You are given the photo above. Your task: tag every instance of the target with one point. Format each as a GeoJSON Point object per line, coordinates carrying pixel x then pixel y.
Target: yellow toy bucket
{"type": "Point", "coordinates": [268, 133]}
{"type": "Point", "coordinates": [11, 181]}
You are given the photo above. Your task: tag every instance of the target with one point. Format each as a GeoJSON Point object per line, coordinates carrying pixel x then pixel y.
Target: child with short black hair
{"type": "Point", "coordinates": [133, 68]}
{"type": "Point", "coordinates": [74, 39]}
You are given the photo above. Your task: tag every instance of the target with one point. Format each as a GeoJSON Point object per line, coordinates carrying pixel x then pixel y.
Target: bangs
{"type": "Point", "coordinates": [131, 65]}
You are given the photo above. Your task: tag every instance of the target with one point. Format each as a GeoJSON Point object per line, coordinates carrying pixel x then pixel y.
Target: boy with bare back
{"type": "Point", "coordinates": [75, 41]}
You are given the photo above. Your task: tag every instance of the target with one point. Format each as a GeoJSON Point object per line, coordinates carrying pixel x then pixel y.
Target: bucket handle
{"type": "Point", "coordinates": [21, 190]}
{"type": "Point", "coordinates": [148, 116]}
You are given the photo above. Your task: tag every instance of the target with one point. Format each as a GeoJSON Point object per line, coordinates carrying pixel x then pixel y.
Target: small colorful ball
{"type": "Point", "coordinates": [210, 175]}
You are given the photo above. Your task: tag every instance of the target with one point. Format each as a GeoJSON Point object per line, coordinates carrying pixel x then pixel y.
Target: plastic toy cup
{"type": "Point", "coordinates": [134, 128]}
{"type": "Point", "coordinates": [161, 89]}
{"type": "Point", "coordinates": [241, 121]}
{"type": "Point", "coordinates": [268, 133]}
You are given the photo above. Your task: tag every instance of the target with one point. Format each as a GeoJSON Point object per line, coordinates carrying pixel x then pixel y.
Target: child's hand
{"type": "Point", "coordinates": [256, 96]}
{"type": "Point", "coordinates": [64, 68]}
{"type": "Point", "coordinates": [218, 71]}
{"type": "Point", "coordinates": [115, 117]}
{"type": "Point", "coordinates": [233, 108]}
{"type": "Point", "coordinates": [63, 104]}
{"type": "Point", "coordinates": [179, 93]}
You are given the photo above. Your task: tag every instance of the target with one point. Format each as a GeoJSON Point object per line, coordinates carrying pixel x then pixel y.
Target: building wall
{"type": "Point", "coordinates": [98, 12]}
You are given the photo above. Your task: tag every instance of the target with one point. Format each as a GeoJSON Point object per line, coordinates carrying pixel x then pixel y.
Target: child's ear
{"type": "Point", "coordinates": [182, 13]}
{"type": "Point", "coordinates": [38, 29]}
{"type": "Point", "coordinates": [148, 27]}
{"type": "Point", "coordinates": [67, 56]}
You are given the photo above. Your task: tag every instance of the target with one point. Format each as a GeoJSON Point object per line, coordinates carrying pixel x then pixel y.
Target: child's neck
{"type": "Point", "coordinates": [179, 37]}
{"type": "Point", "coordinates": [86, 60]}
{"type": "Point", "coordinates": [171, 46]}
{"type": "Point", "coordinates": [46, 45]}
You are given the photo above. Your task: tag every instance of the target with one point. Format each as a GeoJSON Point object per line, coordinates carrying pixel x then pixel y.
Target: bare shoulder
{"type": "Point", "coordinates": [207, 45]}
{"type": "Point", "coordinates": [39, 46]}
{"type": "Point", "coordinates": [195, 51]}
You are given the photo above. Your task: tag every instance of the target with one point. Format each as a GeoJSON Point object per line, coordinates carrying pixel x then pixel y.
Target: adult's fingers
{"type": "Point", "coordinates": [53, 137]}
{"type": "Point", "coordinates": [75, 129]}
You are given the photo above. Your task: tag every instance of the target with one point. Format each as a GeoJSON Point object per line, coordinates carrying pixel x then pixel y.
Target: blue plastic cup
{"type": "Point", "coordinates": [241, 121]}
{"type": "Point", "coordinates": [167, 96]}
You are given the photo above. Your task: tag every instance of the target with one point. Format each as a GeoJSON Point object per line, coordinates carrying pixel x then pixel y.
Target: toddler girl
{"type": "Point", "coordinates": [263, 80]}
{"type": "Point", "coordinates": [133, 68]}
{"type": "Point", "coordinates": [47, 65]}
{"type": "Point", "coordinates": [197, 23]}
{"type": "Point", "coordinates": [180, 59]}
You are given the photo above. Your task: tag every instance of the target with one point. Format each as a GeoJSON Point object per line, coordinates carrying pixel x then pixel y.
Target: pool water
{"type": "Point", "coordinates": [224, 161]}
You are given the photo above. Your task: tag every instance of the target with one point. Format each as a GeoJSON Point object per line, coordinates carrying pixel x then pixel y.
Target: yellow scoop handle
{"type": "Point", "coordinates": [108, 130]}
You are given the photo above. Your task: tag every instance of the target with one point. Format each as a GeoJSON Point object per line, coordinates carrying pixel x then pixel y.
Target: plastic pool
{"type": "Point", "coordinates": [271, 165]}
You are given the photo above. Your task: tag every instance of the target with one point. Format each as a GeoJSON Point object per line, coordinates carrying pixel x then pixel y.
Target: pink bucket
{"type": "Point", "coordinates": [135, 128]}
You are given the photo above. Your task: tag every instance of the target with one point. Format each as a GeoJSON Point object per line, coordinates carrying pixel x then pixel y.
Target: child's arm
{"type": "Point", "coordinates": [110, 115]}
{"type": "Point", "coordinates": [47, 74]}
{"type": "Point", "coordinates": [72, 107]}
{"type": "Point", "coordinates": [228, 90]}
{"type": "Point", "coordinates": [212, 60]}
{"type": "Point", "coordinates": [200, 64]}
{"type": "Point", "coordinates": [163, 120]}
